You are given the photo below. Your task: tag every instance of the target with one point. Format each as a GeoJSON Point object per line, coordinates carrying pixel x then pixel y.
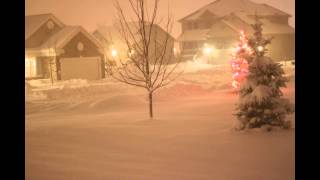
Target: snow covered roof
{"type": "Point", "coordinates": [222, 29]}
{"type": "Point", "coordinates": [62, 37]}
{"type": "Point", "coordinates": [268, 26]}
{"type": "Point", "coordinates": [109, 33]}
{"type": "Point", "coordinates": [59, 40]}
{"type": "Point", "coordinates": [112, 34]}
{"type": "Point", "coordinates": [273, 28]}
{"type": "Point", "coordinates": [228, 28]}
{"type": "Point", "coordinates": [34, 22]}
{"type": "Point", "coordinates": [194, 35]}
{"type": "Point", "coordinates": [222, 8]}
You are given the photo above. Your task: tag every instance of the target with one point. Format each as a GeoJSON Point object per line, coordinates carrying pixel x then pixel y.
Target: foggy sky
{"type": "Point", "coordinates": [90, 13]}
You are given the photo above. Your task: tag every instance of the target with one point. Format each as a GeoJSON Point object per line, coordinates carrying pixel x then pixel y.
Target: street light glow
{"type": "Point", "coordinates": [114, 52]}
{"type": "Point", "coordinates": [207, 50]}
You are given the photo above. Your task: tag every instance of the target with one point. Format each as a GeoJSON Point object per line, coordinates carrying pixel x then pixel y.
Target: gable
{"type": "Point", "coordinates": [221, 29]}
{"type": "Point", "coordinates": [207, 15]}
{"type": "Point", "coordinates": [89, 48]}
{"type": "Point", "coordinates": [238, 23]}
{"type": "Point", "coordinates": [223, 8]}
{"type": "Point", "coordinates": [42, 34]}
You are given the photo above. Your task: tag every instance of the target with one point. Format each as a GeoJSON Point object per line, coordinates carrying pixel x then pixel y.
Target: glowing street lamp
{"type": "Point", "coordinates": [207, 50]}
{"type": "Point", "coordinates": [114, 52]}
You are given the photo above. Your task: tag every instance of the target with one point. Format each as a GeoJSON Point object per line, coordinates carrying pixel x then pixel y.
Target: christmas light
{"type": "Point", "coordinates": [239, 64]}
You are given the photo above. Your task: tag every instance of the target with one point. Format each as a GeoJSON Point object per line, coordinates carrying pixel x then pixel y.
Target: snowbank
{"type": "Point", "coordinates": [198, 79]}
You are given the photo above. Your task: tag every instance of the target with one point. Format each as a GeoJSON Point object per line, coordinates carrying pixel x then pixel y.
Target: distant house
{"type": "Point", "coordinates": [115, 45]}
{"type": "Point", "coordinates": [218, 24]}
{"type": "Point", "coordinates": [58, 51]}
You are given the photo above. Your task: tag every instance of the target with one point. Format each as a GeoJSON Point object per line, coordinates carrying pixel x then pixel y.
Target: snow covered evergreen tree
{"type": "Point", "coordinates": [261, 102]}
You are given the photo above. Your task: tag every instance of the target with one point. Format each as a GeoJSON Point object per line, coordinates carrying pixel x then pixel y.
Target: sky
{"type": "Point", "coordinates": [91, 13]}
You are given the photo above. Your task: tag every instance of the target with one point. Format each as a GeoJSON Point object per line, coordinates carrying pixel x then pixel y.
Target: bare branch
{"type": "Point", "coordinates": [153, 64]}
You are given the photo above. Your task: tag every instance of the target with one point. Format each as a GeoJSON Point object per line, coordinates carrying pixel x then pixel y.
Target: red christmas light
{"type": "Point", "coordinates": [239, 64]}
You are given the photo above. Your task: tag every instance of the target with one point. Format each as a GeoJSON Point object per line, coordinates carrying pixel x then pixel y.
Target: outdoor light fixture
{"type": "Point", "coordinates": [260, 48]}
{"type": "Point", "coordinates": [114, 52]}
{"type": "Point", "coordinates": [207, 50]}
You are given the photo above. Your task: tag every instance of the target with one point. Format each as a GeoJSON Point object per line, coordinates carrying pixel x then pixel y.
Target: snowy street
{"type": "Point", "coordinates": [100, 130]}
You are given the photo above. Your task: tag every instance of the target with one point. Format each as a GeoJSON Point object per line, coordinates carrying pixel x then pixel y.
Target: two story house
{"type": "Point", "coordinates": [218, 24]}
{"type": "Point", "coordinates": [60, 52]}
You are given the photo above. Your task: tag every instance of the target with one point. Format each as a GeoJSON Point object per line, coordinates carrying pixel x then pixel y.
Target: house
{"type": "Point", "coordinates": [115, 47]}
{"type": "Point", "coordinates": [218, 25]}
{"type": "Point", "coordinates": [60, 52]}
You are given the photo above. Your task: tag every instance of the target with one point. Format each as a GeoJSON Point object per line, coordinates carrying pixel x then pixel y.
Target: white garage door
{"type": "Point", "coordinates": [80, 68]}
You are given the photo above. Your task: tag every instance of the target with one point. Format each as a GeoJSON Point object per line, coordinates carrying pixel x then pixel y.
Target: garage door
{"type": "Point", "coordinates": [80, 68]}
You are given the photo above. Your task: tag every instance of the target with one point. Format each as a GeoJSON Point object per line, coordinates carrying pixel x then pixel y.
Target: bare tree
{"type": "Point", "coordinates": [52, 48]}
{"type": "Point", "coordinates": [150, 62]}
{"type": "Point", "coordinates": [52, 64]}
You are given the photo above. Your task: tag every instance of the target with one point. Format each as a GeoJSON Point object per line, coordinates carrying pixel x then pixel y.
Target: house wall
{"type": "Point", "coordinates": [70, 50]}
{"type": "Point", "coordinates": [203, 22]}
{"type": "Point", "coordinates": [191, 45]}
{"type": "Point", "coordinates": [48, 67]}
{"type": "Point", "coordinates": [282, 47]}
{"type": "Point", "coordinates": [279, 19]}
{"type": "Point", "coordinates": [41, 35]}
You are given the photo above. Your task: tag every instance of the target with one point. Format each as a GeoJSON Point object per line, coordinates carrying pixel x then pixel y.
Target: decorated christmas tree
{"type": "Point", "coordinates": [239, 62]}
{"type": "Point", "coordinates": [261, 102]}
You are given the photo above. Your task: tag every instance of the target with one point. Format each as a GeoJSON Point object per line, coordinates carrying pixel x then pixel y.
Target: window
{"type": "Point", "coordinates": [30, 67]}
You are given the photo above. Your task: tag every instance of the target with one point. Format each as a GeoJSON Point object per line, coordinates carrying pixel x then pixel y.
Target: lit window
{"type": "Point", "coordinates": [30, 67]}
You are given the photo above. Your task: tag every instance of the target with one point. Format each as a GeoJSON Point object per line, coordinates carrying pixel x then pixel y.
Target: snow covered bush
{"type": "Point", "coordinates": [261, 102]}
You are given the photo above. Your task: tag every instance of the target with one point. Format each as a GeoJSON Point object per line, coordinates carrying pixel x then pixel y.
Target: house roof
{"type": "Point", "coordinates": [109, 33]}
{"type": "Point", "coordinates": [112, 34]}
{"type": "Point", "coordinates": [222, 8]}
{"type": "Point", "coordinates": [34, 22]}
{"type": "Point", "coordinates": [194, 35]}
{"type": "Point", "coordinates": [61, 38]}
{"type": "Point", "coordinates": [222, 29]}
{"type": "Point", "coordinates": [274, 28]}
{"type": "Point", "coordinates": [268, 26]}
{"type": "Point", "coordinates": [227, 28]}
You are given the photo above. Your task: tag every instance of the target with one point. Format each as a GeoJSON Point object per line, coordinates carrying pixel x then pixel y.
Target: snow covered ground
{"type": "Point", "coordinates": [100, 130]}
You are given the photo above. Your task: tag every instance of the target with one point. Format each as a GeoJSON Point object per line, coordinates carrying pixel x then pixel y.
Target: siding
{"type": "Point", "coordinates": [90, 50]}
{"type": "Point", "coordinates": [41, 35]}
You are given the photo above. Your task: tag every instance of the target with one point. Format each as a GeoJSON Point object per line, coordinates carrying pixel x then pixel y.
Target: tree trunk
{"type": "Point", "coordinates": [150, 105]}
{"type": "Point", "coordinates": [51, 75]}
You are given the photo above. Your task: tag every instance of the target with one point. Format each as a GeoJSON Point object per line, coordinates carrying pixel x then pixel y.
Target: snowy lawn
{"type": "Point", "coordinates": [100, 130]}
